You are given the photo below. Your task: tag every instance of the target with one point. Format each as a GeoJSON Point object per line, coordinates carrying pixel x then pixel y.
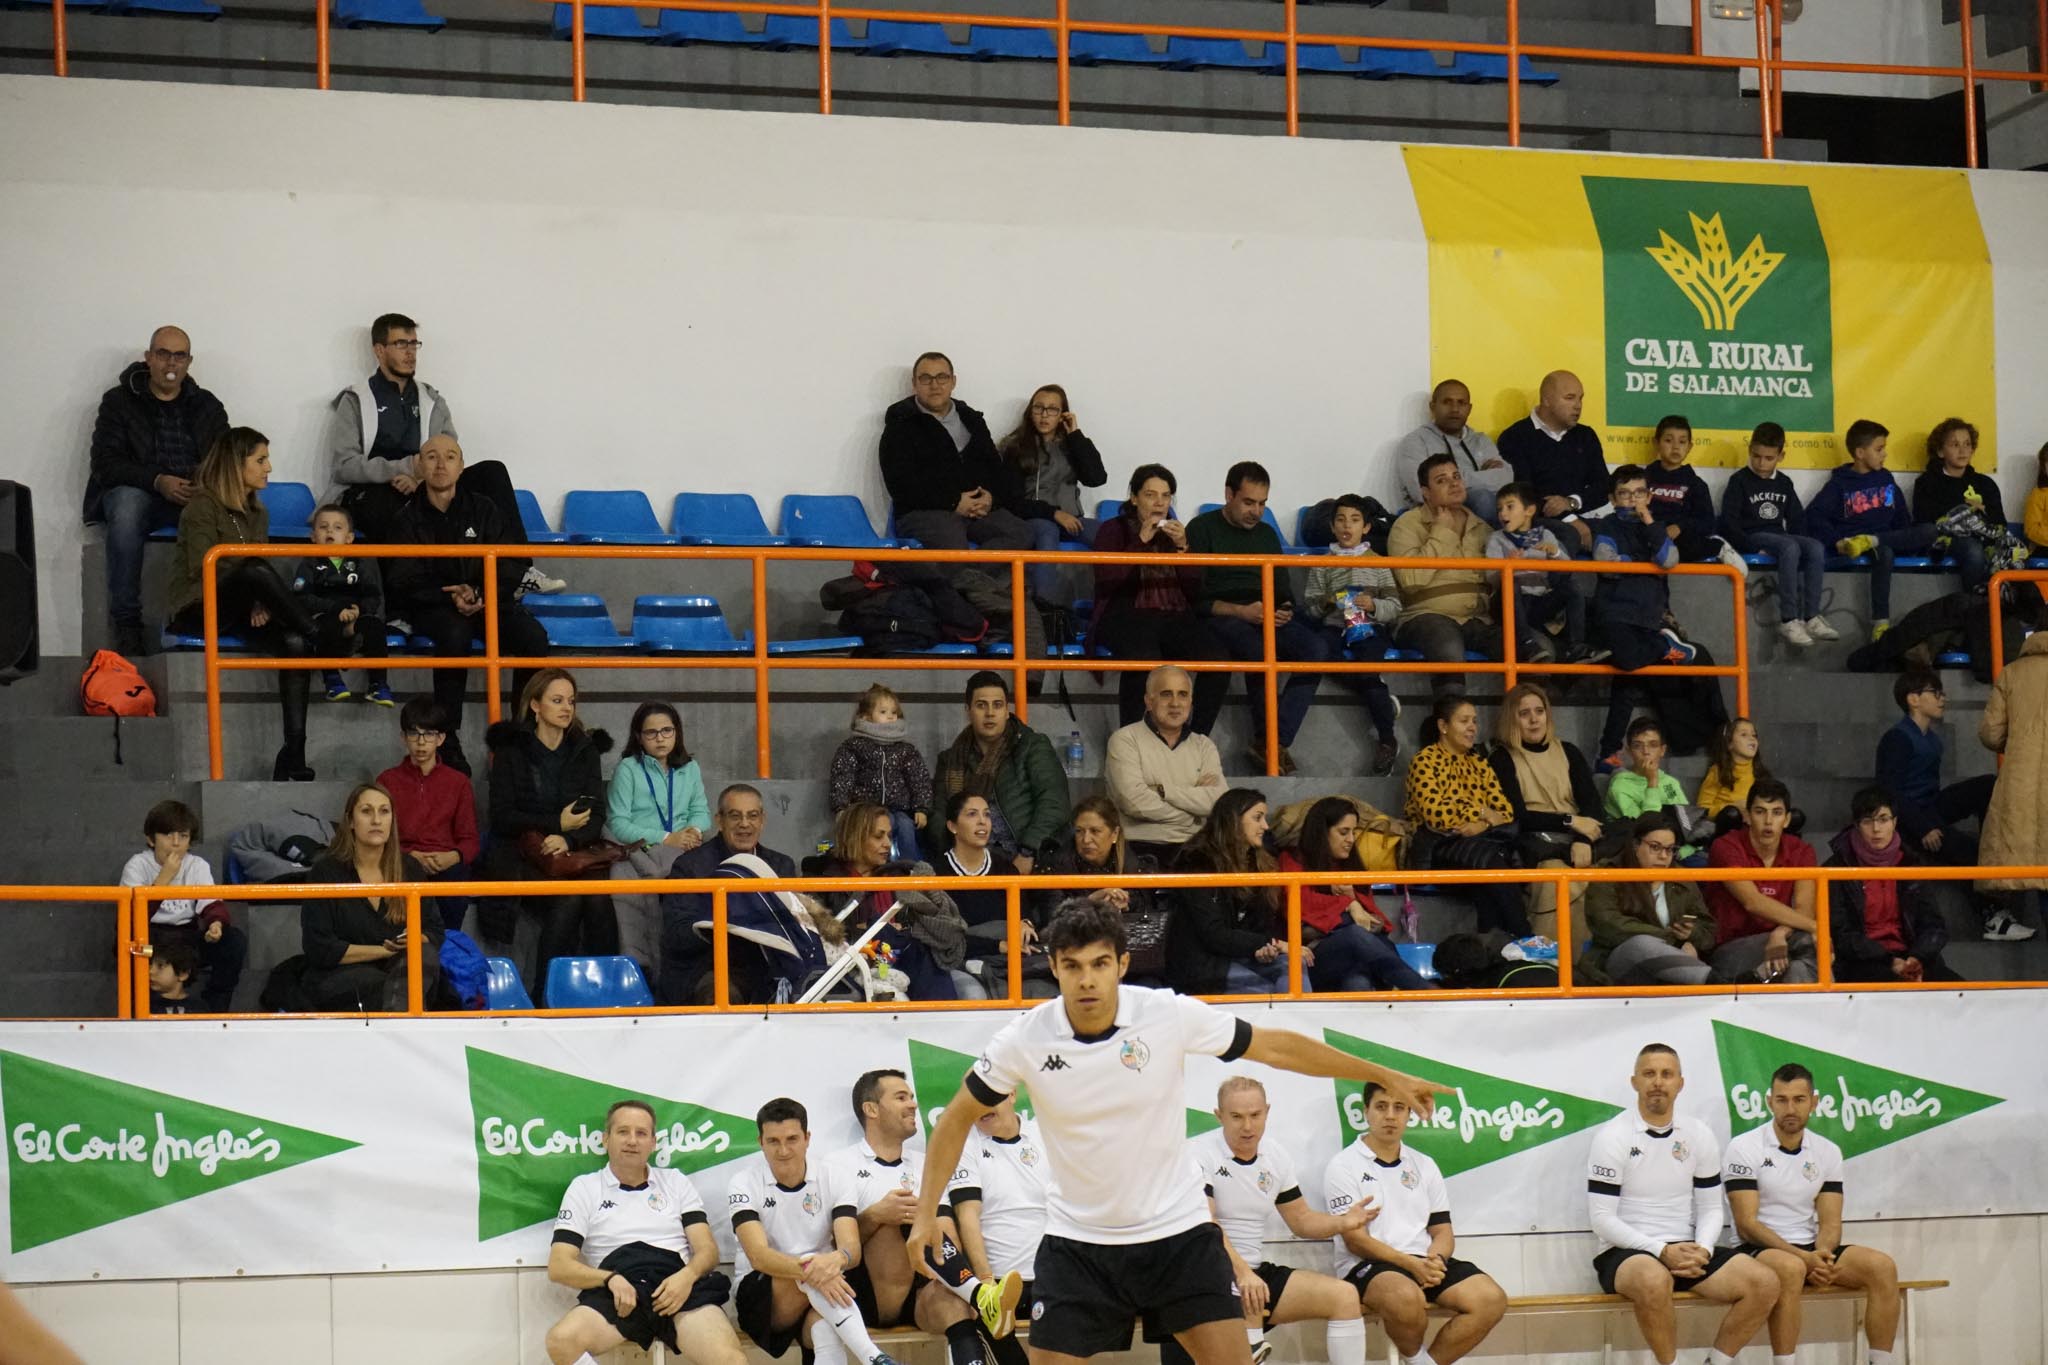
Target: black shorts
{"type": "Point", "coordinates": [754, 1306]}
{"type": "Point", "coordinates": [1608, 1263]}
{"type": "Point", "coordinates": [1752, 1249]}
{"type": "Point", "coordinates": [643, 1324]}
{"type": "Point", "coordinates": [870, 1311]}
{"type": "Point", "coordinates": [1455, 1272]}
{"type": "Point", "coordinates": [1086, 1296]}
{"type": "Point", "coordinates": [1276, 1277]}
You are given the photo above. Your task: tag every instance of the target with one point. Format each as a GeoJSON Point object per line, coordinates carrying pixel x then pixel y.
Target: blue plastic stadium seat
{"type": "Point", "coordinates": [685, 625]}
{"type": "Point", "coordinates": [174, 639]}
{"type": "Point", "coordinates": [1001, 649]}
{"type": "Point", "coordinates": [888, 38]}
{"type": "Point", "coordinates": [191, 9]}
{"type": "Point", "coordinates": [503, 990]}
{"type": "Point", "coordinates": [604, 21]}
{"type": "Point", "coordinates": [830, 519]}
{"type": "Point", "coordinates": [782, 32]}
{"type": "Point", "coordinates": [991, 43]}
{"type": "Point", "coordinates": [1197, 54]}
{"type": "Point", "coordinates": [1326, 57]}
{"type": "Point", "coordinates": [719, 518]}
{"type": "Point", "coordinates": [386, 14]}
{"type": "Point", "coordinates": [538, 532]}
{"type": "Point", "coordinates": [618, 516]}
{"type": "Point", "coordinates": [1410, 62]}
{"type": "Point", "coordinates": [596, 983]}
{"type": "Point", "coordinates": [1761, 561]}
{"type": "Point", "coordinates": [1953, 659]}
{"type": "Point", "coordinates": [291, 510]}
{"type": "Point", "coordinates": [575, 620]}
{"type": "Point", "coordinates": [1477, 67]}
{"type": "Point", "coordinates": [1126, 49]}
{"type": "Point", "coordinates": [1420, 956]}
{"type": "Point", "coordinates": [682, 27]}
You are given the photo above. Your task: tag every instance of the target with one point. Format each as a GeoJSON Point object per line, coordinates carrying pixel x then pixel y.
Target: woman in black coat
{"type": "Point", "coordinates": [356, 947]}
{"type": "Point", "coordinates": [1230, 939]}
{"type": "Point", "coordinates": [547, 801]}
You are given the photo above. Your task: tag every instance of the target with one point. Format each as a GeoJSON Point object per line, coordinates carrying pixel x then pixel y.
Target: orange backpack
{"type": "Point", "coordinates": [112, 687]}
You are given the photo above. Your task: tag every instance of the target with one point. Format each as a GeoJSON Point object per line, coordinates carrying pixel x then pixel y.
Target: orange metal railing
{"type": "Point", "coordinates": [1768, 62]}
{"type": "Point", "coordinates": [139, 900]}
{"type": "Point", "coordinates": [1019, 666]}
{"type": "Point", "coordinates": [116, 898]}
{"type": "Point", "coordinates": [1998, 582]}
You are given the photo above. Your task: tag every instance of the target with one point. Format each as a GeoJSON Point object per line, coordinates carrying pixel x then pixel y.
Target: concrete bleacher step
{"type": "Point", "coordinates": [85, 747]}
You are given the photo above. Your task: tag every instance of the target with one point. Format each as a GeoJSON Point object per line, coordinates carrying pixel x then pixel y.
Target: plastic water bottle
{"type": "Point", "coordinates": [1077, 754]}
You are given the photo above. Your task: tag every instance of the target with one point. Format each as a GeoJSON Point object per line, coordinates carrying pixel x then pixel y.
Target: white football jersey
{"type": "Point", "coordinates": [1785, 1183]}
{"type": "Point", "coordinates": [1010, 1177]}
{"type": "Point", "coordinates": [1245, 1193]}
{"type": "Point", "coordinates": [1408, 1191]}
{"type": "Point", "coordinates": [797, 1218]}
{"type": "Point", "coordinates": [599, 1215]}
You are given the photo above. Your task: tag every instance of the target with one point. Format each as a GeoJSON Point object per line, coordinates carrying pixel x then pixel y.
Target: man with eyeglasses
{"type": "Point", "coordinates": [742, 819]}
{"type": "Point", "coordinates": [154, 427]}
{"type": "Point", "coordinates": [951, 490]}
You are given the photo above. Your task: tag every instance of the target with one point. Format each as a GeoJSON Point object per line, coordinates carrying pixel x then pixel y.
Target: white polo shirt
{"type": "Point", "coordinates": [1409, 1192]}
{"type": "Point", "coordinates": [797, 1218]}
{"type": "Point", "coordinates": [1648, 1187]}
{"type": "Point", "coordinates": [859, 1177]}
{"type": "Point", "coordinates": [1785, 1182]}
{"type": "Point", "coordinates": [1245, 1193]}
{"type": "Point", "coordinates": [1009, 1176]}
{"type": "Point", "coordinates": [599, 1215]}
{"type": "Point", "coordinates": [1112, 1108]}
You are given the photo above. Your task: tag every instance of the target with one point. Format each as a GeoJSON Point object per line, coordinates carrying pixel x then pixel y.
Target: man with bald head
{"type": "Point", "coordinates": [154, 427]}
{"type": "Point", "coordinates": [1446, 432]}
{"type": "Point", "coordinates": [1162, 775]}
{"type": "Point", "coordinates": [1563, 459]}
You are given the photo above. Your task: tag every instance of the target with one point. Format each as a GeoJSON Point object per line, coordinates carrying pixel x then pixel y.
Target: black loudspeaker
{"type": "Point", "coordinates": [19, 612]}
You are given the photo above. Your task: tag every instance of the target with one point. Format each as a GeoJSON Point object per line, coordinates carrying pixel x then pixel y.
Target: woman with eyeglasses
{"type": "Point", "coordinates": [1647, 933]}
{"type": "Point", "coordinates": [1053, 459]}
{"type": "Point", "coordinates": [656, 807]}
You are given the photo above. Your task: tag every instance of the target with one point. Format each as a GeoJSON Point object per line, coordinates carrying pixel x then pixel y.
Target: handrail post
{"type": "Point", "coordinates": [321, 62]}
{"type": "Point", "coordinates": [1013, 909]}
{"type": "Point", "coordinates": [1293, 72]}
{"type": "Point", "coordinates": [140, 980]}
{"type": "Point", "coordinates": [124, 948]}
{"type": "Point", "coordinates": [59, 40]}
{"type": "Point", "coordinates": [1764, 79]}
{"type": "Point", "coordinates": [492, 709]}
{"type": "Point", "coordinates": [1778, 76]}
{"type": "Point", "coordinates": [1020, 662]}
{"type": "Point", "coordinates": [1998, 581]}
{"type": "Point", "coordinates": [1514, 73]}
{"type": "Point", "coordinates": [1698, 46]}
{"type": "Point", "coordinates": [1510, 645]}
{"type": "Point", "coordinates": [415, 990]}
{"type": "Point", "coordinates": [1294, 940]}
{"type": "Point", "coordinates": [1969, 85]}
{"type": "Point", "coordinates": [576, 51]}
{"type": "Point", "coordinates": [721, 985]}
{"type": "Point", "coordinates": [762, 757]}
{"type": "Point", "coordinates": [1063, 67]}
{"type": "Point", "coordinates": [209, 625]}
{"type": "Point", "coordinates": [1268, 631]}
{"type": "Point", "coordinates": [1739, 584]}
{"type": "Point", "coordinates": [1823, 937]}
{"type": "Point", "coordinates": [2040, 41]}
{"type": "Point", "coordinates": [824, 56]}
{"type": "Point", "coordinates": [1567, 948]}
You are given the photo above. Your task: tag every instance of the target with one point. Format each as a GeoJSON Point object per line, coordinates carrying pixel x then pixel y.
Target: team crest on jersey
{"type": "Point", "coordinates": [1027, 1155]}
{"type": "Point", "coordinates": [1809, 1170]}
{"type": "Point", "coordinates": [1679, 1151]}
{"type": "Point", "coordinates": [812, 1203]}
{"type": "Point", "coordinates": [656, 1202]}
{"type": "Point", "coordinates": [1409, 1178]}
{"type": "Point", "coordinates": [1134, 1054]}
{"type": "Point", "coordinates": [1265, 1182]}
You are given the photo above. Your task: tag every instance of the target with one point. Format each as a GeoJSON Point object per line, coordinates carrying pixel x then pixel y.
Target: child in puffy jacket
{"type": "Point", "coordinates": [344, 595]}
{"type": "Point", "coordinates": [879, 765]}
{"type": "Point", "coordinates": [1861, 510]}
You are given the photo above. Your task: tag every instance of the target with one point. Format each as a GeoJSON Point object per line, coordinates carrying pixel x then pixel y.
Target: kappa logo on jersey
{"type": "Point", "coordinates": [1055, 1063]}
{"type": "Point", "coordinates": [1860, 1106]}
{"type": "Point", "coordinates": [1486, 1119]}
{"type": "Point", "coordinates": [607, 1204]}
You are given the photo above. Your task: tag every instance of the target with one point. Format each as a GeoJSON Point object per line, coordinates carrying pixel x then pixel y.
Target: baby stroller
{"type": "Point", "coordinates": [777, 953]}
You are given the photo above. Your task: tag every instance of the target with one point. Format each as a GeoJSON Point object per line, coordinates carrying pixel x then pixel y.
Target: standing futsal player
{"type": "Point", "coordinates": [1785, 1189]}
{"type": "Point", "coordinates": [1128, 1231]}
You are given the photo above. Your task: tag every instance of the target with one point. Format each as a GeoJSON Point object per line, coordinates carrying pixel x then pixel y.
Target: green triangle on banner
{"type": "Point", "coordinates": [936, 1073]}
{"type": "Point", "coordinates": [84, 1151]}
{"type": "Point", "coordinates": [1201, 1121]}
{"type": "Point", "coordinates": [1860, 1107]}
{"type": "Point", "coordinates": [537, 1129]}
{"type": "Point", "coordinates": [1490, 1117]}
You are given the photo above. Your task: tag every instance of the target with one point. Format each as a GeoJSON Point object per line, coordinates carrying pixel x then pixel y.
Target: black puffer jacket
{"type": "Point", "coordinates": [1214, 926]}
{"type": "Point", "coordinates": [124, 435]}
{"type": "Point", "coordinates": [925, 474]}
{"type": "Point", "coordinates": [528, 792]}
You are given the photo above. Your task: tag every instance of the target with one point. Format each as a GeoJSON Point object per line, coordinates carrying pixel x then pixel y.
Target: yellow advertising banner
{"type": "Point", "coordinates": [1727, 292]}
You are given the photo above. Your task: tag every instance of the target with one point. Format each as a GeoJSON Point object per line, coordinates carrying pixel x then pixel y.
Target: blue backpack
{"type": "Point", "coordinates": [463, 969]}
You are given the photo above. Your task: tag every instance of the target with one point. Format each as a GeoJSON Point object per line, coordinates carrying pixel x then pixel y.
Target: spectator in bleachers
{"type": "Point", "coordinates": [742, 820]}
{"type": "Point", "coordinates": [226, 508]}
{"type": "Point", "coordinates": [1564, 459]}
{"type": "Point", "coordinates": [1230, 939]}
{"type": "Point", "coordinates": [1761, 514]}
{"type": "Point", "coordinates": [1643, 787]}
{"type": "Point", "coordinates": [1909, 755]}
{"type": "Point", "coordinates": [1550, 792]}
{"type": "Point", "coordinates": [1148, 612]}
{"type": "Point", "coordinates": [1735, 759]}
{"type": "Point", "coordinates": [1052, 459]}
{"type": "Point", "coordinates": [655, 806]}
{"type": "Point", "coordinates": [1679, 500]}
{"type": "Point", "coordinates": [372, 456]}
{"type": "Point", "coordinates": [927, 939]}
{"type": "Point", "coordinates": [2036, 511]}
{"type": "Point", "coordinates": [950, 487]}
{"type": "Point", "coordinates": [878, 763]}
{"type": "Point", "coordinates": [1764, 927]}
{"type": "Point", "coordinates": [344, 597]}
{"type": "Point", "coordinates": [1355, 604]}
{"type": "Point", "coordinates": [1647, 933]}
{"type": "Point", "coordinates": [1230, 598]}
{"type": "Point", "coordinates": [1861, 510]}
{"type": "Point", "coordinates": [985, 912]}
{"type": "Point", "coordinates": [1163, 776]}
{"type": "Point", "coordinates": [153, 428]}
{"type": "Point", "coordinates": [547, 804]}
{"type": "Point", "coordinates": [443, 599]}
{"type": "Point", "coordinates": [174, 979]}
{"type": "Point", "coordinates": [1883, 930]}
{"type": "Point", "coordinates": [435, 806]}
{"type": "Point", "coordinates": [356, 946]}
{"type": "Point", "coordinates": [1447, 432]}
{"type": "Point", "coordinates": [202, 928]}
{"type": "Point", "coordinates": [1460, 816]}
{"type": "Point", "coordinates": [1352, 937]}
{"type": "Point", "coordinates": [1948, 482]}
{"type": "Point", "coordinates": [2015, 724]}
{"type": "Point", "coordinates": [1012, 765]}
{"type": "Point", "coordinates": [1539, 597]}
{"type": "Point", "coordinates": [1445, 613]}
{"type": "Point", "coordinates": [1096, 847]}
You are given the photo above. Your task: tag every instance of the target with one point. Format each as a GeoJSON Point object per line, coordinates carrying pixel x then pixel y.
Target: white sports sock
{"type": "Point", "coordinates": [1421, 1357]}
{"type": "Point", "coordinates": [1720, 1358]}
{"type": "Point", "coordinates": [846, 1326]}
{"type": "Point", "coordinates": [1346, 1342]}
{"type": "Point", "coordinates": [1254, 1333]}
{"type": "Point", "coordinates": [825, 1343]}
{"type": "Point", "coordinates": [1792, 1359]}
{"type": "Point", "coordinates": [586, 1359]}
{"type": "Point", "coordinates": [1878, 1357]}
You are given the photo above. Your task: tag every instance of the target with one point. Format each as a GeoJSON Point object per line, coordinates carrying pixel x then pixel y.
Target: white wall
{"type": "Point", "coordinates": [685, 299]}
{"type": "Point", "coordinates": [1882, 32]}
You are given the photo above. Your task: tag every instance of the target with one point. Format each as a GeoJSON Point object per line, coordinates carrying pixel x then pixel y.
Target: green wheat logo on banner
{"type": "Point", "coordinates": [1693, 324]}
{"type": "Point", "coordinates": [84, 1151]}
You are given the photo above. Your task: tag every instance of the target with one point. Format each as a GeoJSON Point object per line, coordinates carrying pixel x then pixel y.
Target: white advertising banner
{"type": "Point", "coordinates": [278, 1147]}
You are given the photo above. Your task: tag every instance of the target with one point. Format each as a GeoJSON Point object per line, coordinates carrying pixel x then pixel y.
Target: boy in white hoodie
{"type": "Point", "coordinates": [1356, 604]}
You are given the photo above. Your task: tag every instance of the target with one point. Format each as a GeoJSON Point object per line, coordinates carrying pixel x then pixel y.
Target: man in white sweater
{"type": "Point", "coordinates": [1163, 776]}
